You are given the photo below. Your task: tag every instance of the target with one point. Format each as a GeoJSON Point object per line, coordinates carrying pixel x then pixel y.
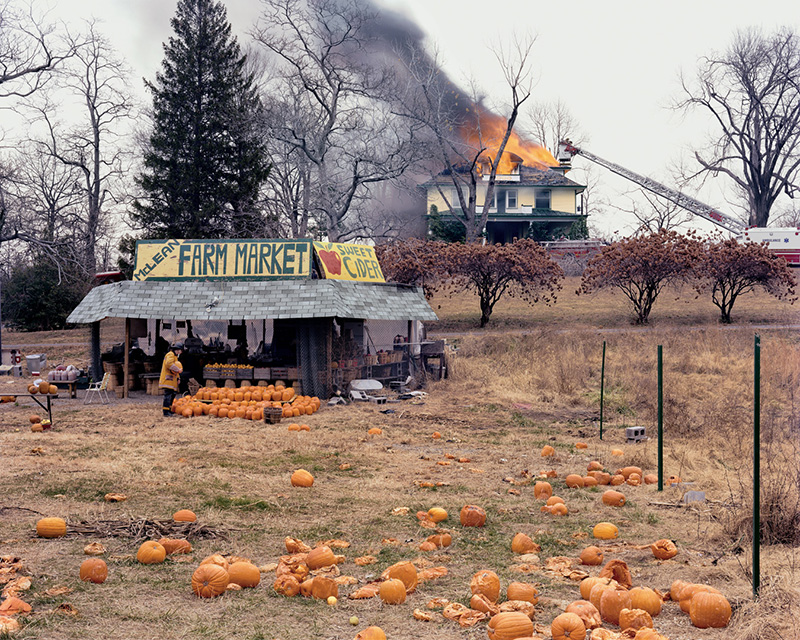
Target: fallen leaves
{"type": "Point", "coordinates": [94, 549]}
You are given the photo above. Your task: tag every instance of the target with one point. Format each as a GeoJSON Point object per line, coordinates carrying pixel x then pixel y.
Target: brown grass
{"type": "Point", "coordinates": [511, 394]}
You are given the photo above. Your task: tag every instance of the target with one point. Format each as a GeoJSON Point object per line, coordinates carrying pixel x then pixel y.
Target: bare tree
{"type": "Point", "coordinates": [93, 149]}
{"type": "Point", "coordinates": [752, 93]}
{"type": "Point", "coordinates": [29, 49]}
{"type": "Point", "coordinates": [467, 136]}
{"type": "Point", "coordinates": [552, 122]}
{"type": "Point", "coordinates": [654, 213]}
{"type": "Point", "coordinates": [334, 119]}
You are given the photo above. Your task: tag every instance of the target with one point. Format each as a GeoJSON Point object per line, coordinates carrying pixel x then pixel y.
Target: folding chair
{"type": "Point", "coordinates": [99, 389]}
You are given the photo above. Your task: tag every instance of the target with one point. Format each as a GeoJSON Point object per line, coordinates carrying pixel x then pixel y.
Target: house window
{"type": "Point", "coordinates": [511, 199]}
{"type": "Point", "coordinates": [543, 198]}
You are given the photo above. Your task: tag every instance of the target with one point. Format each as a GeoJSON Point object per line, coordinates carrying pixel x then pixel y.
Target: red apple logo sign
{"type": "Point", "coordinates": [332, 262]}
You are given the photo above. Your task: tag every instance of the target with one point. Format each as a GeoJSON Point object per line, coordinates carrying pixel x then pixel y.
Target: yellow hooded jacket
{"type": "Point", "coordinates": [170, 372]}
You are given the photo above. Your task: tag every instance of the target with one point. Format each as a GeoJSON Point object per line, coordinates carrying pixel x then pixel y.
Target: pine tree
{"type": "Point", "coordinates": [204, 164]}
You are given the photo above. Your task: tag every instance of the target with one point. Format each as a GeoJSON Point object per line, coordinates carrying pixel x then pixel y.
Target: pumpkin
{"type": "Point", "coordinates": [472, 516]}
{"type": "Point", "coordinates": [522, 591]}
{"type": "Point", "coordinates": [589, 481]}
{"type": "Point", "coordinates": [547, 450]}
{"type": "Point", "coordinates": [93, 570]}
{"type": "Point", "coordinates": [217, 559]}
{"type": "Point", "coordinates": [302, 478]}
{"type": "Point", "coordinates": [605, 531]}
{"type": "Point", "coordinates": [486, 583]}
{"type": "Point", "coordinates": [648, 634]}
{"type": "Point", "coordinates": [592, 556]}
{"type": "Point", "coordinates": [709, 609]}
{"type": "Point", "coordinates": [625, 472]}
{"type": "Point", "coordinates": [594, 465]}
{"type": "Point", "coordinates": [574, 481]}
{"type": "Point", "coordinates": [305, 587]}
{"type": "Point", "coordinates": [612, 602]}
{"type": "Point", "coordinates": [245, 574]}
{"type": "Point", "coordinates": [587, 584]}
{"type": "Point", "coordinates": [286, 585]}
{"type": "Point", "coordinates": [320, 557]}
{"type": "Point", "coordinates": [676, 589]}
{"type": "Point", "coordinates": [581, 445]}
{"type": "Point", "coordinates": [33, 389]}
{"type": "Point", "coordinates": [37, 428]}
{"type": "Point", "coordinates": [427, 546]}
{"type": "Point", "coordinates": [209, 580]}
{"type": "Point", "coordinates": [51, 528]}
{"type": "Point", "coordinates": [664, 549]}
{"type": "Point", "coordinates": [437, 514]}
{"type": "Point", "coordinates": [151, 552]}
{"type": "Point", "coordinates": [481, 603]}
{"type": "Point", "coordinates": [646, 599]}
{"type": "Point", "coordinates": [392, 591]}
{"type": "Point", "coordinates": [613, 498]}
{"type": "Point", "coordinates": [690, 592]}
{"type": "Point", "coordinates": [542, 490]}
{"type": "Point", "coordinates": [509, 625]}
{"type": "Point", "coordinates": [440, 539]}
{"type": "Point", "coordinates": [371, 633]}
{"type": "Point", "coordinates": [175, 545]}
{"type": "Point", "coordinates": [617, 452]}
{"type": "Point", "coordinates": [617, 480]}
{"type": "Point", "coordinates": [674, 480]}
{"type": "Point", "coordinates": [634, 480]}
{"type": "Point", "coordinates": [34, 418]}
{"type": "Point", "coordinates": [184, 515]}
{"type": "Point", "coordinates": [323, 588]}
{"type": "Point", "coordinates": [375, 431]}
{"type": "Point", "coordinates": [558, 509]}
{"type": "Point", "coordinates": [522, 543]}
{"type": "Point", "coordinates": [405, 572]}
{"type": "Point", "coordinates": [597, 590]}
{"type": "Point", "coordinates": [634, 619]}
{"type": "Point", "coordinates": [650, 478]}
{"type": "Point", "coordinates": [602, 477]}
{"type": "Point", "coordinates": [568, 626]}
{"type": "Point", "coordinates": [13, 605]}
{"type": "Point", "coordinates": [587, 612]}
{"type": "Point", "coordinates": [618, 570]}
{"type": "Point", "coordinates": [554, 500]}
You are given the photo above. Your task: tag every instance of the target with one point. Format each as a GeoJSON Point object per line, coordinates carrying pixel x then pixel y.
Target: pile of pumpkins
{"type": "Point", "coordinates": [245, 402]}
{"type": "Point", "coordinates": [43, 387]}
{"type": "Point", "coordinates": [38, 425]}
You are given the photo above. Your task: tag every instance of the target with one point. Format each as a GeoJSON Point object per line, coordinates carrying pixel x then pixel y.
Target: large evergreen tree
{"type": "Point", "coordinates": [204, 164]}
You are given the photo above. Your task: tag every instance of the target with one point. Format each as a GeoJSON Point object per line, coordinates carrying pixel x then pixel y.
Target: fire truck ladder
{"type": "Point", "coordinates": [566, 150]}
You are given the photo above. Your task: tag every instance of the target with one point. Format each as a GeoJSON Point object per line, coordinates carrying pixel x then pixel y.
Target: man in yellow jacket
{"type": "Point", "coordinates": [171, 377]}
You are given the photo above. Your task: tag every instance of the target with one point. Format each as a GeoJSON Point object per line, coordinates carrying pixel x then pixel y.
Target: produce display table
{"type": "Point", "coordinates": [16, 392]}
{"type": "Point", "coordinates": [71, 386]}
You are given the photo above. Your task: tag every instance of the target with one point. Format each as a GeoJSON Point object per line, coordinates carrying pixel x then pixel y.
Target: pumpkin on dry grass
{"type": "Point", "coordinates": [522, 543]}
{"type": "Point", "coordinates": [472, 516]}
{"type": "Point", "coordinates": [509, 625]}
{"type": "Point", "coordinates": [51, 528]}
{"type": "Point", "coordinates": [392, 591]}
{"type": "Point", "coordinates": [93, 570]}
{"type": "Point", "coordinates": [635, 619]}
{"type": "Point", "coordinates": [487, 583]}
{"type": "Point", "coordinates": [664, 549]}
{"type": "Point", "coordinates": [618, 570]}
{"type": "Point", "coordinates": [371, 633]}
{"type": "Point", "coordinates": [587, 612]}
{"type": "Point", "coordinates": [184, 515]}
{"type": "Point", "coordinates": [245, 574]}
{"type": "Point", "coordinates": [605, 531]}
{"type": "Point", "coordinates": [709, 609]}
{"type": "Point", "coordinates": [592, 556]}
{"type": "Point", "coordinates": [151, 552]}
{"type": "Point", "coordinates": [286, 585]}
{"type": "Point", "coordinates": [613, 498]}
{"type": "Point", "coordinates": [646, 599]}
{"type": "Point", "coordinates": [405, 572]}
{"type": "Point", "coordinates": [568, 626]}
{"type": "Point", "coordinates": [612, 602]}
{"type": "Point", "coordinates": [522, 591]}
{"type": "Point", "coordinates": [209, 580]}
{"type": "Point", "coordinates": [302, 478]}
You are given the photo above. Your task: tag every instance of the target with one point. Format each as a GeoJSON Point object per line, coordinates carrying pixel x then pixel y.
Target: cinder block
{"type": "Point", "coordinates": [635, 434]}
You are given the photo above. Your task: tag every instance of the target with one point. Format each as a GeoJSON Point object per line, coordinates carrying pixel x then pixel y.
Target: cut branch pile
{"type": "Point", "coordinates": [144, 529]}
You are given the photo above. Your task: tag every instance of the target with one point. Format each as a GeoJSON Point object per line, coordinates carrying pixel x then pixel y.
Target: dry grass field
{"type": "Point", "coordinates": [531, 379]}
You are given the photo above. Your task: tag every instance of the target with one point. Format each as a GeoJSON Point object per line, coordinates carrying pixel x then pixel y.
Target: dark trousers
{"type": "Point", "coordinates": [169, 398]}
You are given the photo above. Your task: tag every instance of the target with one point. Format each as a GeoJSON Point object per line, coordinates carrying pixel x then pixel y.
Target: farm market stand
{"type": "Point", "coordinates": [257, 311]}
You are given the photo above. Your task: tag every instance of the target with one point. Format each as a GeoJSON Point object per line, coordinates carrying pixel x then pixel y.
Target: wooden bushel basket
{"type": "Point", "coordinates": [273, 415]}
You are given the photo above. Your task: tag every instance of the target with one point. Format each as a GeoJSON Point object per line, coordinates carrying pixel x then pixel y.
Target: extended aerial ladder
{"type": "Point", "coordinates": [784, 241]}
{"type": "Point", "coordinates": [566, 150]}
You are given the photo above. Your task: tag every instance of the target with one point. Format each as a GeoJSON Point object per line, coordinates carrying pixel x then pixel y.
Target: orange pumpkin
{"type": "Point", "coordinates": [371, 633]}
{"type": "Point", "coordinates": [664, 549]}
{"type": "Point", "coordinates": [605, 531]}
{"type": "Point", "coordinates": [522, 543]}
{"type": "Point", "coordinates": [509, 625]}
{"type": "Point", "coordinates": [93, 570]}
{"type": "Point", "coordinates": [568, 626]}
{"type": "Point", "coordinates": [302, 478]}
{"type": "Point", "coordinates": [587, 612]}
{"type": "Point", "coordinates": [151, 552]}
{"type": "Point", "coordinates": [646, 599]}
{"type": "Point", "coordinates": [323, 588]}
{"type": "Point", "coordinates": [286, 585]}
{"type": "Point", "coordinates": [217, 559]}
{"type": "Point", "coordinates": [437, 514]}
{"type": "Point", "coordinates": [405, 572]}
{"type": "Point", "coordinates": [472, 516]}
{"type": "Point", "coordinates": [709, 609]}
{"type": "Point", "coordinates": [209, 580]}
{"type": "Point", "coordinates": [175, 545]}
{"type": "Point", "coordinates": [245, 574]}
{"type": "Point", "coordinates": [522, 591]}
{"type": "Point", "coordinates": [635, 619]}
{"type": "Point", "coordinates": [613, 498]}
{"type": "Point", "coordinates": [184, 515]}
{"type": "Point", "coordinates": [392, 591]}
{"type": "Point", "coordinates": [547, 450]}
{"type": "Point", "coordinates": [320, 557]}
{"type": "Point", "coordinates": [592, 556]}
{"type": "Point", "coordinates": [486, 583]}
{"type": "Point", "coordinates": [51, 528]}
{"type": "Point", "coordinates": [612, 602]}
{"type": "Point", "coordinates": [542, 490]}
{"type": "Point", "coordinates": [574, 481]}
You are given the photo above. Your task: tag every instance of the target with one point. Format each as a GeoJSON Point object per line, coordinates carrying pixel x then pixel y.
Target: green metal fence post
{"type": "Point", "coordinates": [602, 386]}
{"type": "Point", "coordinates": [756, 465]}
{"type": "Point", "coordinates": [660, 418]}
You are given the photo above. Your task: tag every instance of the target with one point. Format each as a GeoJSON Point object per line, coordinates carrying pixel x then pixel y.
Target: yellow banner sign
{"type": "Point", "coordinates": [222, 259]}
{"type": "Point", "coordinates": [349, 262]}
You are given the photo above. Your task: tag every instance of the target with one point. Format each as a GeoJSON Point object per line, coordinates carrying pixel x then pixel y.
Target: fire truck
{"type": "Point", "coordinates": [784, 241]}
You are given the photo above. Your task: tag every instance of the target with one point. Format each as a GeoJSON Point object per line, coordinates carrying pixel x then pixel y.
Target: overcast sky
{"type": "Point", "coordinates": [615, 63]}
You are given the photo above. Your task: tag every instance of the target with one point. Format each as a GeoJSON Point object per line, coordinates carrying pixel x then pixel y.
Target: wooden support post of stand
{"type": "Point", "coordinates": [95, 364]}
{"type": "Point", "coordinates": [126, 364]}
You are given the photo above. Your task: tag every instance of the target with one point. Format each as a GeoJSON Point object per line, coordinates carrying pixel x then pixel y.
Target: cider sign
{"type": "Point", "coordinates": [348, 262]}
{"type": "Point", "coordinates": [222, 259]}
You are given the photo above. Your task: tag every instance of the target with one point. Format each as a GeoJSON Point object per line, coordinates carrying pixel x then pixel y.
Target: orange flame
{"type": "Point", "coordinates": [488, 133]}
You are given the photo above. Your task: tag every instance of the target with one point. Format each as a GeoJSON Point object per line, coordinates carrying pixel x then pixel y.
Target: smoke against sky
{"type": "Point", "coordinates": [615, 63]}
